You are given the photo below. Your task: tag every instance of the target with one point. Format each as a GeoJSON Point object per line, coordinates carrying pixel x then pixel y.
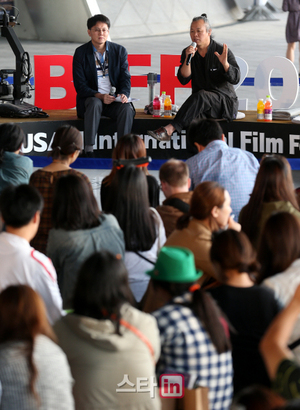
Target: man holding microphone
{"type": "Point", "coordinates": [213, 71]}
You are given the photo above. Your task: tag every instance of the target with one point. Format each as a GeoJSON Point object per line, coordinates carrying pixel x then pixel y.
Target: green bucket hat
{"type": "Point", "coordinates": [175, 264]}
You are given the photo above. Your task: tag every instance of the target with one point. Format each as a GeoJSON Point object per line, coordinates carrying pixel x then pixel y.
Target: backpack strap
{"type": "Point", "coordinates": [178, 204]}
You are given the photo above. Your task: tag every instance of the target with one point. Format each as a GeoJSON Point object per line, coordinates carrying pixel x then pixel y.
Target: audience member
{"type": "Point", "coordinates": [279, 254]}
{"type": "Point", "coordinates": [34, 371]}
{"type": "Point", "coordinates": [279, 247]}
{"type": "Point", "coordinates": [108, 342]}
{"type": "Point", "coordinates": [20, 208]}
{"type": "Point", "coordinates": [209, 211]}
{"type": "Point", "coordinates": [175, 184]}
{"type": "Point", "coordinates": [233, 168]}
{"type": "Point", "coordinates": [250, 308]}
{"type": "Point", "coordinates": [15, 169]}
{"type": "Point", "coordinates": [129, 146]}
{"type": "Point", "coordinates": [273, 192]}
{"type": "Point", "coordinates": [283, 370]}
{"type": "Point", "coordinates": [79, 230]}
{"type": "Point", "coordinates": [193, 334]}
{"type": "Point", "coordinates": [143, 228]}
{"type": "Point", "coordinates": [66, 147]}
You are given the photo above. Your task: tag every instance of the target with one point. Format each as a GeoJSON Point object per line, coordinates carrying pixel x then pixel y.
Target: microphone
{"type": "Point", "coordinates": [112, 91]}
{"type": "Point", "coordinates": [188, 60]}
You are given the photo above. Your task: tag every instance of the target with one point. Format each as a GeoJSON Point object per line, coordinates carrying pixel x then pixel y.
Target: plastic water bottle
{"type": "Point", "coordinates": [168, 107]}
{"type": "Point", "coordinates": [268, 109]}
{"type": "Point", "coordinates": [162, 102]}
{"type": "Point", "coordinates": [156, 106]}
{"type": "Point", "coordinates": [260, 110]}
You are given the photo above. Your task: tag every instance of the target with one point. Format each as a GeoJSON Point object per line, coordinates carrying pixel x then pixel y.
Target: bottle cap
{"type": "Point", "coordinates": [163, 92]}
{"type": "Point", "coordinates": [268, 96]}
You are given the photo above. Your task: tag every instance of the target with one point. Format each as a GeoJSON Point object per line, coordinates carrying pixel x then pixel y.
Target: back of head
{"type": "Point", "coordinates": [67, 140]}
{"type": "Point", "coordinates": [11, 138]}
{"type": "Point", "coordinates": [102, 287]}
{"type": "Point", "coordinates": [129, 146]}
{"type": "Point", "coordinates": [273, 182]}
{"type": "Point", "coordinates": [74, 204]}
{"type": "Point", "coordinates": [174, 172]}
{"type": "Point", "coordinates": [92, 21]}
{"type": "Point", "coordinates": [205, 197]}
{"type": "Point", "coordinates": [279, 244]}
{"type": "Point", "coordinates": [204, 131]}
{"type": "Point", "coordinates": [22, 314]}
{"type": "Point", "coordinates": [18, 204]}
{"type": "Point", "coordinates": [129, 203]}
{"type": "Point", "coordinates": [232, 250]}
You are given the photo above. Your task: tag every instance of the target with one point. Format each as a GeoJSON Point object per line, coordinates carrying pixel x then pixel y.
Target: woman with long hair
{"type": "Point", "coordinates": [109, 343]}
{"type": "Point", "coordinates": [66, 146]}
{"type": "Point", "coordinates": [250, 308]}
{"type": "Point", "coordinates": [34, 372]}
{"type": "Point", "coordinates": [79, 230]}
{"type": "Point", "coordinates": [209, 211]}
{"type": "Point", "coordinates": [144, 232]}
{"type": "Point", "coordinates": [15, 169]}
{"type": "Point", "coordinates": [273, 192]}
{"type": "Point", "coordinates": [129, 146]}
{"type": "Point", "coordinates": [193, 332]}
{"type": "Point", "coordinates": [279, 255]}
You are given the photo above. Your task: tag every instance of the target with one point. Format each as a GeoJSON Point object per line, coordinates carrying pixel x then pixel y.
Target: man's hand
{"type": "Point", "coordinates": [223, 57]}
{"type": "Point", "coordinates": [190, 50]}
{"type": "Point", "coordinates": [123, 97]}
{"type": "Point", "coordinates": [108, 99]}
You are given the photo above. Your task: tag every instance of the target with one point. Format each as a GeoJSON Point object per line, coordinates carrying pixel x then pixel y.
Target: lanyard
{"type": "Point", "coordinates": [102, 64]}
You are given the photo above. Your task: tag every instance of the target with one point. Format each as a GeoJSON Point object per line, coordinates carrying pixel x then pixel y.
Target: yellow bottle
{"type": "Point", "coordinates": [168, 107]}
{"type": "Point", "coordinates": [260, 110]}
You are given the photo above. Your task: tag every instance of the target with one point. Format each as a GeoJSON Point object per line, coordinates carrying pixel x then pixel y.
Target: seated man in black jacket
{"type": "Point", "coordinates": [213, 71]}
{"type": "Point", "coordinates": [100, 73]}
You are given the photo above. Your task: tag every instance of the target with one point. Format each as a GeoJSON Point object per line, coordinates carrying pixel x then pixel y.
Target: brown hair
{"type": "Point", "coordinates": [205, 196]}
{"type": "Point", "coordinates": [232, 250]}
{"type": "Point", "coordinates": [274, 182]}
{"type": "Point", "coordinates": [67, 140]}
{"type": "Point", "coordinates": [174, 172]}
{"type": "Point", "coordinates": [279, 244]}
{"type": "Point", "coordinates": [129, 146]}
{"type": "Point", "coordinates": [22, 318]}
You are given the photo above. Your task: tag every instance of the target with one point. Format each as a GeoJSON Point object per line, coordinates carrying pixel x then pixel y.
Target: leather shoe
{"type": "Point", "coordinates": [160, 134]}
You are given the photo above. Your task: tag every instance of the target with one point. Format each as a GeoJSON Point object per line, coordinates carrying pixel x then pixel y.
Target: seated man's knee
{"type": "Point", "coordinates": [93, 103]}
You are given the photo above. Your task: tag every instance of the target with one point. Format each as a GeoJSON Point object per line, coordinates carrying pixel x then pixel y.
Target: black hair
{"type": "Point", "coordinates": [129, 203]}
{"type": "Point", "coordinates": [11, 138]}
{"type": "Point", "coordinates": [233, 250]}
{"type": "Point", "coordinates": [204, 131]}
{"type": "Point", "coordinates": [74, 204]}
{"type": "Point", "coordinates": [66, 141]}
{"type": "Point", "coordinates": [92, 21]}
{"type": "Point", "coordinates": [279, 244]}
{"type": "Point", "coordinates": [102, 288]}
{"type": "Point", "coordinates": [18, 204]}
{"type": "Point", "coordinates": [204, 308]}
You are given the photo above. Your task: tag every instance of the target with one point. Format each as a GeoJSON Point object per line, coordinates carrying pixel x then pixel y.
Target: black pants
{"type": "Point", "coordinates": [95, 108]}
{"type": "Point", "coordinates": [203, 104]}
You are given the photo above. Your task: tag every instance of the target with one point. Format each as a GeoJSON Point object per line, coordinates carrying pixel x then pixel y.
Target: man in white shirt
{"type": "Point", "coordinates": [20, 208]}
